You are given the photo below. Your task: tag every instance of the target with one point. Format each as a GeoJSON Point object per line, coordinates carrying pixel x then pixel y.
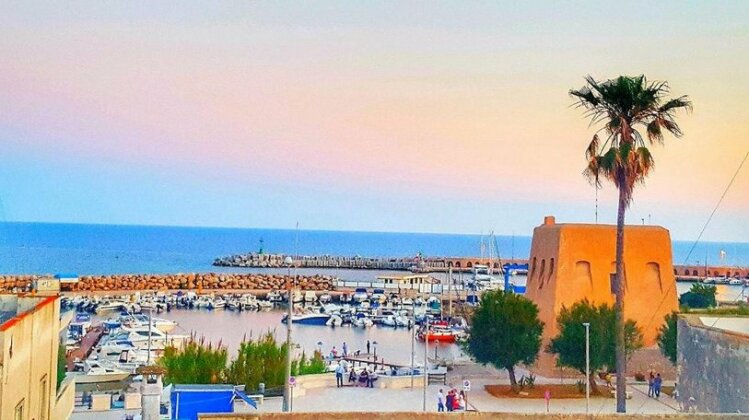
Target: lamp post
{"type": "Point", "coordinates": [319, 347]}
{"type": "Point", "coordinates": [587, 366]}
{"type": "Point", "coordinates": [287, 386]}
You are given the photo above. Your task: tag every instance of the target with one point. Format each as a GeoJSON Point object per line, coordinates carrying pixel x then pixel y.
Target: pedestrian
{"type": "Point", "coordinates": [440, 401]}
{"type": "Point", "coordinates": [449, 400]}
{"type": "Point", "coordinates": [651, 384]}
{"type": "Point", "coordinates": [372, 378]}
{"type": "Point", "coordinates": [367, 346]}
{"type": "Point", "coordinates": [345, 349]}
{"type": "Point", "coordinates": [339, 375]}
{"type": "Point", "coordinates": [333, 353]}
{"type": "Point", "coordinates": [657, 385]}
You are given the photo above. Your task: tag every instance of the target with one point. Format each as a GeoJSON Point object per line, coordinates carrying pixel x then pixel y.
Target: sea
{"type": "Point", "coordinates": [49, 248]}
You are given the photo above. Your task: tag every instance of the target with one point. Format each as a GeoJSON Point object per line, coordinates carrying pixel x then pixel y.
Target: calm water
{"type": "Point", "coordinates": [109, 249]}
{"type": "Point", "coordinates": [230, 328]}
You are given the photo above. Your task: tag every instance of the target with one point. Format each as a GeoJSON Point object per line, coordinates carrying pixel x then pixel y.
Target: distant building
{"type": "Point", "coordinates": [713, 363]}
{"type": "Point", "coordinates": [29, 345]}
{"type": "Point", "coordinates": [571, 262]}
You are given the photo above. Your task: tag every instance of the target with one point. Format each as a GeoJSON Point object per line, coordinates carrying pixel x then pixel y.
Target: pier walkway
{"type": "Point", "coordinates": [88, 342]}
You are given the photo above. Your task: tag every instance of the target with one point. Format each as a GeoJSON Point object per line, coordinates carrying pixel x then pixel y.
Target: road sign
{"type": "Point", "coordinates": [466, 385]}
{"type": "Point", "coordinates": [292, 381]}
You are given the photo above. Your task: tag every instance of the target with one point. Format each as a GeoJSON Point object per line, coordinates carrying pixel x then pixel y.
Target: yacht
{"type": "Point", "coordinates": [360, 294]}
{"type": "Point", "coordinates": [91, 371]}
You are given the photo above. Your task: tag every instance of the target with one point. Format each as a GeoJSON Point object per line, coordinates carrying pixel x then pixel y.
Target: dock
{"type": "Point", "coordinates": [88, 342]}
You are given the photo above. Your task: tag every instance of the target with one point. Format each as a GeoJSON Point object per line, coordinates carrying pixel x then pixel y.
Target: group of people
{"type": "Point", "coordinates": [453, 401]}
{"type": "Point", "coordinates": [334, 352]}
{"type": "Point", "coordinates": [366, 378]}
{"type": "Point", "coordinates": [654, 385]}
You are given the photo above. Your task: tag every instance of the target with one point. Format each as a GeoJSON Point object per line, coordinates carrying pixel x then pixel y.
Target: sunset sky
{"type": "Point", "coordinates": [386, 116]}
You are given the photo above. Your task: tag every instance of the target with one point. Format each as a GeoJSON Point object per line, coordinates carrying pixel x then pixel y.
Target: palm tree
{"type": "Point", "coordinates": [621, 106]}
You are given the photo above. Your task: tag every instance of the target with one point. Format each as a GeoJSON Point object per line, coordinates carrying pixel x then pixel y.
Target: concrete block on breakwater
{"type": "Point", "coordinates": [188, 281]}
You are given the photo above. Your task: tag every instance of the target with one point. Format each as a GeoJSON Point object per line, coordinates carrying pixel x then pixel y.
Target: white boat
{"type": "Point", "coordinates": [407, 301]}
{"type": "Point", "coordinates": [360, 294]}
{"type": "Point", "coordinates": [264, 304]}
{"type": "Point", "coordinates": [364, 304]}
{"type": "Point", "coordinates": [138, 320]}
{"type": "Point", "coordinates": [217, 303]}
{"type": "Point", "coordinates": [362, 321]}
{"type": "Point", "coordinates": [297, 297]}
{"type": "Point", "coordinates": [378, 295]}
{"type": "Point", "coordinates": [310, 297]}
{"type": "Point", "coordinates": [736, 282]}
{"type": "Point", "coordinates": [308, 319]}
{"type": "Point", "coordinates": [325, 298]}
{"type": "Point", "coordinates": [108, 306]}
{"type": "Point", "coordinates": [274, 297]}
{"type": "Point", "coordinates": [90, 372]}
{"type": "Point", "coordinates": [334, 321]}
{"type": "Point", "coordinates": [389, 321]}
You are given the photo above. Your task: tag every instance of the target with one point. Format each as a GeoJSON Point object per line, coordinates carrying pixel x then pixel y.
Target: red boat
{"type": "Point", "coordinates": [438, 332]}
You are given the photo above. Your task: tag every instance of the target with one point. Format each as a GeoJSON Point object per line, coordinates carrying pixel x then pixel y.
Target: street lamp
{"type": "Point", "coordinates": [587, 366]}
{"type": "Point", "coordinates": [319, 347]}
{"type": "Point", "coordinates": [287, 386]}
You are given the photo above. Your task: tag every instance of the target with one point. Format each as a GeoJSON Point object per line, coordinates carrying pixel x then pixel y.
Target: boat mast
{"type": "Point", "coordinates": [450, 290]}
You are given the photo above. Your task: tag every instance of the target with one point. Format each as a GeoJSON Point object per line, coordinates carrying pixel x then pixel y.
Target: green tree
{"type": "Point", "coordinates": [569, 344]}
{"type": "Point", "coordinates": [699, 296]}
{"type": "Point", "coordinates": [667, 337]}
{"type": "Point", "coordinates": [621, 106]}
{"type": "Point", "coordinates": [505, 331]}
{"type": "Point", "coordinates": [260, 360]}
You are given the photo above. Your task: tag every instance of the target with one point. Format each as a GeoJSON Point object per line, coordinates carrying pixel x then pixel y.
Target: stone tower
{"type": "Point", "coordinates": [571, 262]}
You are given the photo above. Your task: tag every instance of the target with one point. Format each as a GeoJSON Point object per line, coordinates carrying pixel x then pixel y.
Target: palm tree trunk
{"type": "Point", "coordinates": [621, 361]}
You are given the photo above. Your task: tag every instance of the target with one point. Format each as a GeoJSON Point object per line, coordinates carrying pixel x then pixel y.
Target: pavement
{"type": "Point", "coordinates": [390, 400]}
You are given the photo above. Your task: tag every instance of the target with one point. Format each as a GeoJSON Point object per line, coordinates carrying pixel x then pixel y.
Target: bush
{"type": "Point", "coordinates": [699, 296]}
{"type": "Point", "coordinates": [194, 363]}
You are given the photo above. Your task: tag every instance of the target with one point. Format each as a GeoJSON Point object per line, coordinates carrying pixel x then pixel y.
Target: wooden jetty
{"type": "Point", "coordinates": [88, 342]}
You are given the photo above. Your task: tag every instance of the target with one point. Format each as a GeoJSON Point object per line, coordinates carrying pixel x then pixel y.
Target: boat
{"type": "Point", "coordinates": [310, 296]}
{"type": "Point", "coordinates": [362, 320]}
{"type": "Point", "coordinates": [108, 306]}
{"type": "Point", "coordinates": [308, 319]}
{"type": "Point", "coordinates": [346, 298]}
{"type": "Point", "coordinates": [438, 332]}
{"type": "Point", "coordinates": [378, 295]}
{"type": "Point", "coordinates": [274, 297]}
{"type": "Point", "coordinates": [407, 301]}
{"type": "Point", "coordinates": [92, 372]}
{"type": "Point", "coordinates": [136, 320]}
{"type": "Point", "coordinates": [365, 304]}
{"type": "Point", "coordinates": [334, 321]}
{"type": "Point", "coordinates": [360, 294]}
{"type": "Point", "coordinates": [735, 282]}
{"type": "Point", "coordinates": [325, 298]}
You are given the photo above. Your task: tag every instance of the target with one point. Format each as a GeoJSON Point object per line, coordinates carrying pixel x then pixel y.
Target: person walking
{"type": "Point", "coordinates": [651, 384]}
{"type": "Point", "coordinates": [449, 400]}
{"type": "Point", "coordinates": [657, 382]}
{"type": "Point", "coordinates": [367, 346]}
{"type": "Point", "coordinates": [440, 401]}
{"type": "Point", "coordinates": [339, 375]}
{"type": "Point", "coordinates": [345, 349]}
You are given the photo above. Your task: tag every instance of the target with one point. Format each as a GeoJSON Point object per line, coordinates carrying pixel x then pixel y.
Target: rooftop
{"type": "Point", "coordinates": [14, 307]}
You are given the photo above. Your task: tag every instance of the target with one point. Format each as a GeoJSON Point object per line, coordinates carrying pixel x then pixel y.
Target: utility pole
{"type": "Point", "coordinates": [426, 361]}
{"type": "Point", "coordinates": [587, 366]}
{"type": "Point", "coordinates": [287, 386]}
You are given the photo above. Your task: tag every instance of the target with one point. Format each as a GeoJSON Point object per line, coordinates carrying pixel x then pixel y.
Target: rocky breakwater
{"type": "Point", "coordinates": [190, 281]}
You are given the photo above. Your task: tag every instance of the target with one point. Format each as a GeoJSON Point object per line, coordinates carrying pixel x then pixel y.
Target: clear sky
{"type": "Point", "coordinates": [392, 116]}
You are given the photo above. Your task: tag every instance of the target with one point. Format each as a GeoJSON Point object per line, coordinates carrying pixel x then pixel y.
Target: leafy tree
{"type": "Point", "coordinates": [505, 331]}
{"type": "Point", "coordinates": [569, 345]}
{"type": "Point", "coordinates": [667, 337]}
{"type": "Point", "coordinates": [699, 296]}
{"type": "Point", "coordinates": [622, 105]}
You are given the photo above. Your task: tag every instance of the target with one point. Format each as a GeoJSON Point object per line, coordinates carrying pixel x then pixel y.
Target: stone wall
{"type": "Point", "coordinates": [453, 415]}
{"type": "Point", "coordinates": [713, 367]}
{"type": "Point", "coordinates": [204, 281]}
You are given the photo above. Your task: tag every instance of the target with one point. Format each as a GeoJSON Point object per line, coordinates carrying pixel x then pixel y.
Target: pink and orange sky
{"type": "Point", "coordinates": [392, 116]}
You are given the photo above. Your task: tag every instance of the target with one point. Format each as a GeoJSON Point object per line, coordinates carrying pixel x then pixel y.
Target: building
{"type": "Point", "coordinates": [712, 357]}
{"type": "Point", "coordinates": [572, 262]}
{"type": "Point", "coordinates": [29, 346]}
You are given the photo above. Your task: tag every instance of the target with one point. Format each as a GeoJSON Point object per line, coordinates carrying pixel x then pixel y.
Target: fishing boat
{"type": "Point", "coordinates": [308, 319]}
{"type": "Point", "coordinates": [91, 372]}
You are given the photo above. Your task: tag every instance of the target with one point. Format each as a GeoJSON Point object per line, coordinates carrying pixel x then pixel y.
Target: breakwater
{"type": "Point", "coordinates": [189, 281]}
{"type": "Point", "coordinates": [422, 264]}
